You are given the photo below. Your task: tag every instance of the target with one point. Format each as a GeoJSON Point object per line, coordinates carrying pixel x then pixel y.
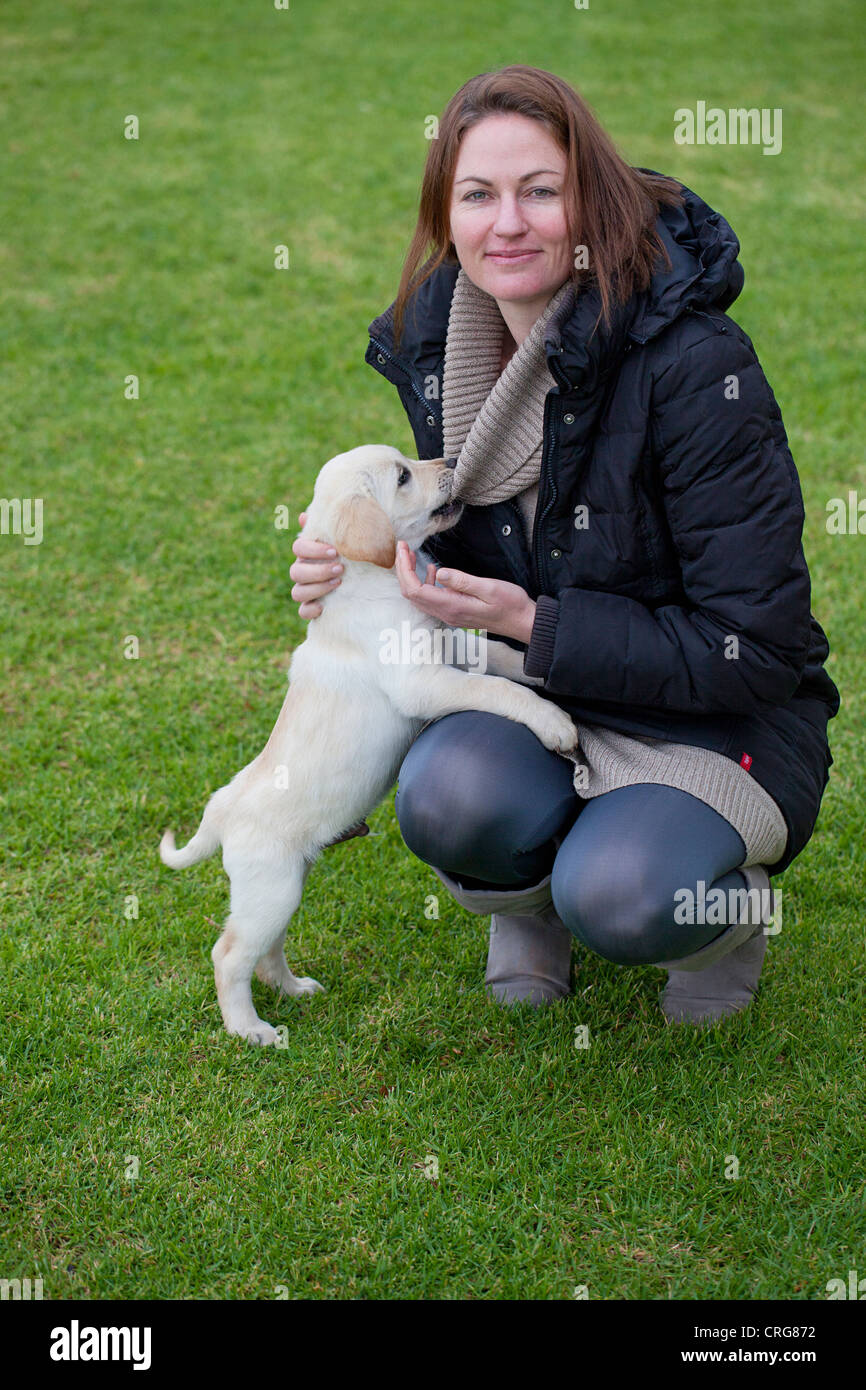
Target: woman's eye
{"type": "Point", "coordinates": [403, 477]}
{"type": "Point", "coordinates": [482, 193]}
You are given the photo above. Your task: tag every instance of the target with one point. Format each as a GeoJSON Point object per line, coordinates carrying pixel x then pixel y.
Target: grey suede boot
{"type": "Point", "coordinates": [529, 959]}
{"type": "Point", "coordinates": [722, 977]}
{"type": "Point", "coordinates": [529, 955]}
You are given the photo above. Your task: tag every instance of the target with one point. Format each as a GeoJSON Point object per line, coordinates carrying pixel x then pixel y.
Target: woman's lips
{"type": "Point", "coordinates": [510, 255]}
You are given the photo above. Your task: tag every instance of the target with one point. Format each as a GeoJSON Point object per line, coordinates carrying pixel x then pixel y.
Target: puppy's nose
{"type": "Point", "coordinates": [450, 463]}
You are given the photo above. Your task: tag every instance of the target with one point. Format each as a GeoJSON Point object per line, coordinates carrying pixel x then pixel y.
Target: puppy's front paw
{"type": "Point", "coordinates": [557, 731]}
{"type": "Point", "coordinates": [307, 985]}
{"type": "Point", "coordinates": [260, 1033]}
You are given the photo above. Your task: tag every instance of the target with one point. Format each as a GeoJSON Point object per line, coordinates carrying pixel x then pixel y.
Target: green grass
{"type": "Point", "coordinates": [308, 1166]}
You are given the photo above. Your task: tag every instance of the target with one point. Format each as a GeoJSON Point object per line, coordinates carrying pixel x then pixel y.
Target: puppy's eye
{"type": "Point", "coordinates": [403, 477]}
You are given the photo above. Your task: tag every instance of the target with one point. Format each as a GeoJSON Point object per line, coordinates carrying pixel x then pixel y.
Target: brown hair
{"type": "Point", "coordinates": [611, 208]}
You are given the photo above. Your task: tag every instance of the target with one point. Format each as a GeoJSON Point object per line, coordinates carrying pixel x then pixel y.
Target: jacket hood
{"type": "Point", "coordinates": [704, 271]}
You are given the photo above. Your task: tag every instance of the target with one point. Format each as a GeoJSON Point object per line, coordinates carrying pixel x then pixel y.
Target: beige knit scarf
{"type": "Point", "coordinates": [493, 423]}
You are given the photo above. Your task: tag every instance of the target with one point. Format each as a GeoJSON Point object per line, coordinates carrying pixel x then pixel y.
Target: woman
{"type": "Point", "coordinates": [634, 522]}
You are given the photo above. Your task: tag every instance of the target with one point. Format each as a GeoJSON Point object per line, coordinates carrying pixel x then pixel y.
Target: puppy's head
{"type": "Point", "coordinates": [368, 499]}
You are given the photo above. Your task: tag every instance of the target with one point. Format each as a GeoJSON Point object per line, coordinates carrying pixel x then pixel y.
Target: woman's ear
{"type": "Point", "coordinates": [362, 531]}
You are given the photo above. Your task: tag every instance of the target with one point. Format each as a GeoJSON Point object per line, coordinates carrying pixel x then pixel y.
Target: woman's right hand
{"type": "Point", "coordinates": [316, 572]}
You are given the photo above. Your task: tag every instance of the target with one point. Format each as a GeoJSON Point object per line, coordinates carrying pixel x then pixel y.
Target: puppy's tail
{"type": "Point", "coordinates": [201, 846]}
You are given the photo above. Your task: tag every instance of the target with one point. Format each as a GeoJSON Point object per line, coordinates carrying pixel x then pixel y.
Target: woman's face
{"type": "Point", "coordinates": [507, 209]}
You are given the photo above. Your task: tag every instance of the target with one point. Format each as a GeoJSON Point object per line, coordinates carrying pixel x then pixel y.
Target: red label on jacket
{"type": "Point", "coordinates": [746, 761]}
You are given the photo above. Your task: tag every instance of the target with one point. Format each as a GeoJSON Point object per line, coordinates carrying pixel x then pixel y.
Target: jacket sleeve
{"type": "Point", "coordinates": [739, 639]}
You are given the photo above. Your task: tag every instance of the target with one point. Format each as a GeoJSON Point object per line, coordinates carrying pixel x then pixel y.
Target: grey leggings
{"type": "Point", "coordinates": [481, 799]}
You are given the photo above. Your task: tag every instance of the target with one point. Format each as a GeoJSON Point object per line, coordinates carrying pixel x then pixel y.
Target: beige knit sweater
{"type": "Point", "coordinates": [493, 424]}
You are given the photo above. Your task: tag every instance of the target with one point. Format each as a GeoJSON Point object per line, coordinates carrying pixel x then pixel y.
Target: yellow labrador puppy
{"type": "Point", "coordinates": [348, 719]}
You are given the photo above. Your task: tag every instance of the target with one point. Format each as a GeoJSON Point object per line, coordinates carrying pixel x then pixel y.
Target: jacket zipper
{"type": "Point", "coordinates": [539, 561]}
{"type": "Point", "coordinates": [425, 401]}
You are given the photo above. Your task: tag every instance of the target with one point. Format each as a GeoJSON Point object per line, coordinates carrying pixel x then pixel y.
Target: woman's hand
{"type": "Point", "coordinates": [316, 572]}
{"type": "Point", "coordinates": [465, 600]}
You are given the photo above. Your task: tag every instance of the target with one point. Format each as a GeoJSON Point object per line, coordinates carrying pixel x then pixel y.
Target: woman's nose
{"type": "Point", "coordinates": [510, 217]}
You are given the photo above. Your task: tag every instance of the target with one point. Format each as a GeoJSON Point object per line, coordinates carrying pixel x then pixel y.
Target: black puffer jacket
{"type": "Point", "coordinates": [664, 427]}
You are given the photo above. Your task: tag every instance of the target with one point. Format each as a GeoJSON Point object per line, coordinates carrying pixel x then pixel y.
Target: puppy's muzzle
{"type": "Point", "coordinates": [447, 509]}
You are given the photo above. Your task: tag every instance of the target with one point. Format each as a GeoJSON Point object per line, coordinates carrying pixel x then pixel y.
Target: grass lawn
{"type": "Point", "coordinates": [314, 1167]}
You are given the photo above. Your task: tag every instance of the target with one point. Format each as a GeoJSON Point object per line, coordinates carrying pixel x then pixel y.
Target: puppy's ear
{"type": "Point", "coordinates": [363, 532]}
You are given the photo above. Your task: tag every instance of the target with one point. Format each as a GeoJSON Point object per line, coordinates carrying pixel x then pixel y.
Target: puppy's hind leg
{"type": "Point", "coordinates": [264, 895]}
{"type": "Point", "coordinates": [273, 969]}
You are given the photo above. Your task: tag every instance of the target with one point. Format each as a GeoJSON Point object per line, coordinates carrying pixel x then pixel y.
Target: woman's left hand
{"type": "Point", "coordinates": [466, 600]}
